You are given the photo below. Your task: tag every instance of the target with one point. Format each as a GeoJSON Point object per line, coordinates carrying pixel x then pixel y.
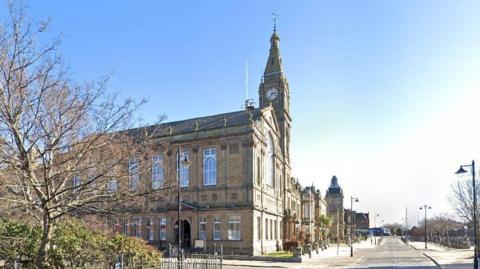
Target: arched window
{"type": "Point", "coordinates": [157, 172]}
{"type": "Point", "coordinates": [210, 166]}
{"type": "Point", "coordinates": [270, 166]}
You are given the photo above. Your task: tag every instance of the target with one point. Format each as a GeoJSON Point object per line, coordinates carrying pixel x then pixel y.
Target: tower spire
{"type": "Point", "coordinates": [274, 63]}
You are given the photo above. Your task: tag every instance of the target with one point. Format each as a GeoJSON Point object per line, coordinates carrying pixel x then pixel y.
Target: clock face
{"type": "Point", "coordinates": [272, 94]}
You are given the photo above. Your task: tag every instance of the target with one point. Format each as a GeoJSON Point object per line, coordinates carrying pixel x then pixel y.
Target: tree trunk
{"type": "Point", "coordinates": [45, 244]}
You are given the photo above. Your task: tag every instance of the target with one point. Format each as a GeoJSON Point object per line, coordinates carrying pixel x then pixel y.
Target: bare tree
{"type": "Point", "coordinates": [441, 228]}
{"type": "Point", "coordinates": [442, 224]}
{"type": "Point", "coordinates": [461, 199]}
{"type": "Point", "coordinates": [63, 148]}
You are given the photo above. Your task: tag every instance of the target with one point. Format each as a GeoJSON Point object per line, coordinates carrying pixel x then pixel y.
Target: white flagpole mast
{"type": "Point", "coordinates": [246, 79]}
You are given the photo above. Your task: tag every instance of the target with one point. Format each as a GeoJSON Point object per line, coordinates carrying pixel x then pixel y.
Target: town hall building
{"type": "Point", "coordinates": [238, 190]}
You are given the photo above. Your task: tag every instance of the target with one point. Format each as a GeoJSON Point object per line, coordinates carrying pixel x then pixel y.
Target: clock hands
{"type": "Point", "coordinates": [272, 94]}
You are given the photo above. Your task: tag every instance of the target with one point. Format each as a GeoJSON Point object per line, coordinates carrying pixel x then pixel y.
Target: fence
{"type": "Point", "coordinates": [452, 238]}
{"type": "Point", "coordinates": [193, 262]}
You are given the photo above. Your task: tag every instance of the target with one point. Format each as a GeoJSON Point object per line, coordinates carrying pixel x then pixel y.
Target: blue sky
{"type": "Point", "coordinates": [383, 92]}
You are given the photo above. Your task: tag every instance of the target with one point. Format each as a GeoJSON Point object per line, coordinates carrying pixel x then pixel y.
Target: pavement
{"type": "Point", "coordinates": [444, 257]}
{"type": "Point", "coordinates": [334, 255]}
{"type": "Point", "coordinates": [391, 253]}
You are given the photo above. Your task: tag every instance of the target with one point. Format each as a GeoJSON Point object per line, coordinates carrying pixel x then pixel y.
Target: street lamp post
{"type": "Point", "coordinates": [462, 171]}
{"type": "Point", "coordinates": [185, 162]}
{"type": "Point", "coordinates": [425, 207]}
{"type": "Point", "coordinates": [352, 199]}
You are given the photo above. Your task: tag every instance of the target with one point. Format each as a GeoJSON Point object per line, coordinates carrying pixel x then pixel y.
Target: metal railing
{"type": "Point", "coordinates": [193, 262]}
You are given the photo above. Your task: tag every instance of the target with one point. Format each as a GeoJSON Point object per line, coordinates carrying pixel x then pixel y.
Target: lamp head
{"type": "Point", "coordinates": [461, 171]}
{"type": "Point", "coordinates": [356, 200]}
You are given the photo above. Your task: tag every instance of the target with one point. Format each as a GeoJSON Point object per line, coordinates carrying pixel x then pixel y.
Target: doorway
{"type": "Point", "coordinates": [185, 233]}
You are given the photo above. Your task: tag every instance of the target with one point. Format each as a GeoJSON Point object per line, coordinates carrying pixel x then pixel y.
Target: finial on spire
{"type": "Point", "coordinates": [275, 18]}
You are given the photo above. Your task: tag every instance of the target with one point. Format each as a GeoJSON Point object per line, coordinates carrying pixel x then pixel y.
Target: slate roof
{"type": "Point", "coordinates": [361, 215]}
{"type": "Point", "coordinates": [334, 187]}
{"type": "Point", "coordinates": [230, 119]}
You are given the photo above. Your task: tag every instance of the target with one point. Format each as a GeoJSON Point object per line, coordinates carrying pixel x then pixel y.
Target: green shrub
{"type": "Point", "coordinates": [74, 246]}
{"type": "Point", "coordinates": [18, 242]}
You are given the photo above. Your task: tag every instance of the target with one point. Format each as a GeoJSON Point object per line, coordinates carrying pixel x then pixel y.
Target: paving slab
{"type": "Point", "coordinates": [444, 257]}
{"type": "Point", "coordinates": [333, 255]}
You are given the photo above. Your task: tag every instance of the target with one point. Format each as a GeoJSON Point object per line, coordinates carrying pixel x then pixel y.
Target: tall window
{"type": "Point", "coordinates": [271, 229]}
{"type": "Point", "coordinates": [210, 166]}
{"type": "Point", "coordinates": [259, 228]}
{"type": "Point", "coordinates": [76, 181]}
{"type": "Point", "coordinates": [306, 211]}
{"type": "Point", "coordinates": [288, 140]}
{"type": "Point", "coordinates": [275, 223]}
{"type": "Point", "coordinates": [116, 226]}
{"type": "Point", "coordinates": [112, 185]}
{"type": "Point", "coordinates": [269, 172]}
{"type": "Point", "coordinates": [184, 181]}
{"type": "Point", "coordinates": [149, 230]}
{"type": "Point", "coordinates": [202, 228]}
{"type": "Point", "coordinates": [137, 227]}
{"type": "Point", "coordinates": [216, 228]}
{"type": "Point", "coordinates": [234, 228]}
{"type": "Point", "coordinates": [134, 175]}
{"type": "Point", "coordinates": [266, 229]}
{"type": "Point", "coordinates": [163, 229]}
{"type": "Point", "coordinates": [259, 171]}
{"type": "Point", "coordinates": [157, 172]}
{"type": "Point", "coordinates": [125, 227]}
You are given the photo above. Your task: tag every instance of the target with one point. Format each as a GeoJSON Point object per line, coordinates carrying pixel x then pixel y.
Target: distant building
{"type": "Point", "coordinates": [320, 210]}
{"type": "Point", "coordinates": [362, 223]}
{"type": "Point", "coordinates": [358, 221]}
{"type": "Point", "coordinates": [308, 211]}
{"type": "Point", "coordinates": [335, 211]}
{"type": "Point", "coordinates": [313, 207]}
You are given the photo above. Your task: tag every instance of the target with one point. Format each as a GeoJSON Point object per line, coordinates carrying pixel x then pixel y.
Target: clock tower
{"type": "Point", "coordinates": [274, 91]}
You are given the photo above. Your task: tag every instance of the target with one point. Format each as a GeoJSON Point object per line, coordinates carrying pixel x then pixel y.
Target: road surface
{"type": "Point", "coordinates": [392, 253]}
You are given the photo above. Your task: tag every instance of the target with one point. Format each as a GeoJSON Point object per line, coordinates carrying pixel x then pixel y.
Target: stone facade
{"type": "Point", "coordinates": [308, 211]}
{"type": "Point", "coordinates": [358, 221]}
{"type": "Point", "coordinates": [236, 185]}
{"type": "Point", "coordinates": [362, 223]}
{"type": "Point", "coordinates": [335, 210]}
{"type": "Point", "coordinates": [237, 190]}
{"type": "Point", "coordinates": [321, 231]}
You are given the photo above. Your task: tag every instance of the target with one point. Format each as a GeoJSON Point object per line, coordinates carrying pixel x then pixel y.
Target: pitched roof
{"type": "Point", "coordinates": [224, 120]}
